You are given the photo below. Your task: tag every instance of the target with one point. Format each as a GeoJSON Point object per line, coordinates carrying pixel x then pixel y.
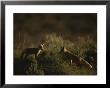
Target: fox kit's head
{"type": "Point", "coordinates": [63, 49]}
{"type": "Point", "coordinates": [41, 46]}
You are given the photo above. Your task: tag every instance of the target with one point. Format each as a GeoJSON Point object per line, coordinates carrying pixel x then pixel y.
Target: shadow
{"type": "Point", "coordinates": [19, 66]}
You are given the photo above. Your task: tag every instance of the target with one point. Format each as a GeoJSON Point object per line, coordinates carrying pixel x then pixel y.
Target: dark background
{"type": "Point", "coordinates": [68, 25]}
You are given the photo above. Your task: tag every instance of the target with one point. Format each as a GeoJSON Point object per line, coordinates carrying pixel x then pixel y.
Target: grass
{"type": "Point", "coordinates": [51, 62]}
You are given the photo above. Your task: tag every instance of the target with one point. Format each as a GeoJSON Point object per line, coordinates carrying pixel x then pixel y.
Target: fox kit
{"type": "Point", "coordinates": [74, 58]}
{"type": "Point", "coordinates": [29, 51]}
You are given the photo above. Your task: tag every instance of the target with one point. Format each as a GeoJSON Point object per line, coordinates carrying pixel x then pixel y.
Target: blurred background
{"type": "Point", "coordinates": [69, 26]}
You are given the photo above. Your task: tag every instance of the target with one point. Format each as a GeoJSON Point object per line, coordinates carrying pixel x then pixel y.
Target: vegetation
{"type": "Point", "coordinates": [51, 62]}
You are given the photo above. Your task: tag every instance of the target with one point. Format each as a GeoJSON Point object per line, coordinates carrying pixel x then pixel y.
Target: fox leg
{"type": "Point", "coordinates": [71, 62]}
{"type": "Point", "coordinates": [38, 52]}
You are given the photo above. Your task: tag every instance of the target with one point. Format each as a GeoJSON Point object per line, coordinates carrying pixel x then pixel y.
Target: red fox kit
{"type": "Point", "coordinates": [29, 51]}
{"type": "Point", "coordinates": [74, 58]}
